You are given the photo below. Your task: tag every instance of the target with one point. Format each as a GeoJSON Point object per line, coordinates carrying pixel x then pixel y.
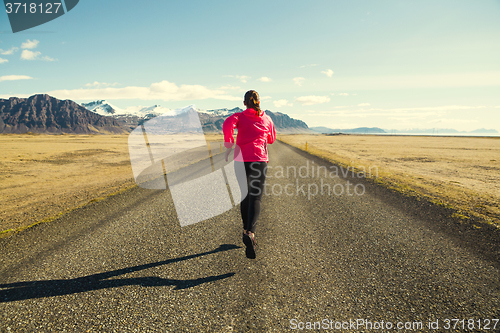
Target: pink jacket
{"type": "Point", "coordinates": [254, 133]}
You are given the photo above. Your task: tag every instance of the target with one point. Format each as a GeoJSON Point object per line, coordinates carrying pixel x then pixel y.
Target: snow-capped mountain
{"type": "Point", "coordinates": [105, 108]}
{"type": "Point", "coordinates": [42, 113]}
{"type": "Point", "coordinates": [221, 112]}
{"type": "Point", "coordinates": [102, 107]}
{"type": "Point", "coordinates": [211, 120]}
{"type": "Point", "coordinates": [145, 111]}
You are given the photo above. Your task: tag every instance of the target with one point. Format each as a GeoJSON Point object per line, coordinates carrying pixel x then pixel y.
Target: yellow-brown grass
{"type": "Point", "coordinates": [461, 172]}
{"type": "Point", "coordinates": [44, 176]}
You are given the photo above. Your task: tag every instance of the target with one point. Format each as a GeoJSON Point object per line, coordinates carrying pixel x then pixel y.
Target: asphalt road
{"type": "Point", "coordinates": [124, 264]}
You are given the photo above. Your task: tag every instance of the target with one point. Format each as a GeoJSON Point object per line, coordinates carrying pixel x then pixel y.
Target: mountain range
{"type": "Point", "coordinates": [358, 130]}
{"type": "Point", "coordinates": [377, 130]}
{"type": "Point", "coordinates": [46, 114]}
{"type": "Point", "coordinates": [211, 120]}
{"type": "Point", "coordinates": [441, 131]}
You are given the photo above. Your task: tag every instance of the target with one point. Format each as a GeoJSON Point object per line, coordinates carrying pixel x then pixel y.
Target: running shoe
{"type": "Point", "coordinates": [250, 244]}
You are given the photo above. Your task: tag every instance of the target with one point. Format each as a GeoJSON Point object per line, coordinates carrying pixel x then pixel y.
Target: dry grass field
{"type": "Point", "coordinates": [462, 172]}
{"type": "Point", "coordinates": [42, 176]}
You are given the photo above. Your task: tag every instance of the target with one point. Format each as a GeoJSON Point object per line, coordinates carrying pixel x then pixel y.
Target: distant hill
{"type": "Point", "coordinates": [440, 131]}
{"type": "Point", "coordinates": [376, 130]}
{"type": "Point", "coordinates": [212, 121]}
{"type": "Point", "coordinates": [286, 124]}
{"type": "Point", "coordinates": [358, 130]}
{"type": "Point", "coordinates": [46, 114]}
{"type": "Point", "coordinates": [485, 131]}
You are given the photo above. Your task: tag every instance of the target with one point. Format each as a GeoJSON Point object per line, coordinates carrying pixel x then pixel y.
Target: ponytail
{"type": "Point", "coordinates": [252, 101]}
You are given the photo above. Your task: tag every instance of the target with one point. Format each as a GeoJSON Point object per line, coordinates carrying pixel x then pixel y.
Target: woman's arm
{"type": "Point", "coordinates": [271, 136]}
{"type": "Point", "coordinates": [228, 127]}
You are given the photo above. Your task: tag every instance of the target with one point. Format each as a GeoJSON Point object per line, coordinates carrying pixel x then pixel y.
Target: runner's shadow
{"type": "Point", "coordinates": [37, 289]}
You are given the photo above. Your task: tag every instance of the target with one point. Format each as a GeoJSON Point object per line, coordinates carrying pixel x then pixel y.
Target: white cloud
{"type": "Point", "coordinates": [311, 100]}
{"type": "Point", "coordinates": [298, 81]}
{"type": "Point", "coordinates": [343, 94]}
{"type": "Point", "coordinates": [328, 72]}
{"type": "Point", "coordinates": [14, 77]}
{"type": "Point", "coordinates": [242, 78]}
{"type": "Point", "coordinates": [101, 84]}
{"type": "Point", "coordinates": [30, 44]}
{"type": "Point", "coordinates": [34, 55]}
{"type": "Point", "coordinates": [364, 104]}
{"type": "Point", "coordinates": [442, 108]}
{"type": "Point", "coordinates": [29, 55]}
{"type": "Point", "coordinates": [230, 87]}
{"type": "Point", "coordinates": [47, 58]}
{"type": "Point", "coordinates": [403, 113]}
{"type": "Point", "coordinates": [264, 79]}
{"type": "Point", "coordinates": [3, 60]}
{"type": "Point", "coordinates": [164, 90]}
{"type": "Point", "coordinates": [9, 51]}
{"type": "Point", "coordinates": [281, 102]}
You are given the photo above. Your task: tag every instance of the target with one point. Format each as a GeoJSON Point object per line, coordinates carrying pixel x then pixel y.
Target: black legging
{"type": "Point", "coordinates": [250, 205]}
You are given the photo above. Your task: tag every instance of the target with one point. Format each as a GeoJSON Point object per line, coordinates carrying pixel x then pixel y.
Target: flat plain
{"type": "Point", "coordinates": [459, 172]}
{"type": "Point", "coordinates": [42, 176]}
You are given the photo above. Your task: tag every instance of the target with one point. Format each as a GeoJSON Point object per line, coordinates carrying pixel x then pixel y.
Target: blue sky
{"type": "Point", "coordinates": [341, 64]}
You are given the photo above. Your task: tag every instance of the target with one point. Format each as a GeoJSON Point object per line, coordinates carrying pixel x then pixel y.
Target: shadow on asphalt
{"type": "Point", "coordinates": [37, 289]}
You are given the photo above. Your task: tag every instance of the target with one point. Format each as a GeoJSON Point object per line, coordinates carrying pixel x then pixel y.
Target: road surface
{"type": "Point", "coordinates": [363, 257]}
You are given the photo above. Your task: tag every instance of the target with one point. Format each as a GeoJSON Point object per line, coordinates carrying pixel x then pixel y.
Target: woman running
{"type": "Point", "coordinates": [255, 131]}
